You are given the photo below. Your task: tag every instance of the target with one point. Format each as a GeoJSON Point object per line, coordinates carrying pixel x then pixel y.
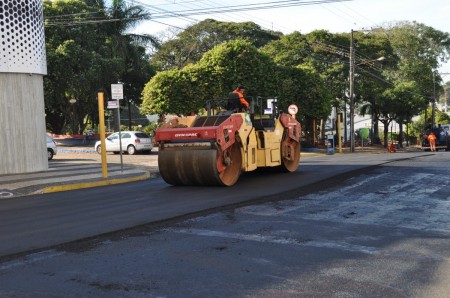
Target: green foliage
{"type": "Point", "coordinates": [237, 62]}
{"type": "Point", "coordinates": [209, 59]}
{"type": "Point", "coordinates": [150, 128]}
{"type": "Point", "coordinates": [420, 50]}
{"type": "Point", "coordinates": [217, 73]}
{"type": "Point", "coordinates": [190, 45]}
{"type": "Point", "coordinates": [221, 69]}
{"type": "Point", "coordinates": [82, 59]}
{"type": "Point", "coordinates": [173, 92]}
{"type": "Point", "coordinates": [305, 88]}
{"type": "Point", "coordinates": [290, 50]}
{"type": "Point", "coordinates": [416, 128]}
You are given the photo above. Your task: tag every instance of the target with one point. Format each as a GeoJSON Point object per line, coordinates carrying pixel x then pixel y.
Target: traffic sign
{"type": "Point", "coordinates": [293, 109]}
{"type": "Point", "coordinates": [113, 104]}
{"type": "Point", "coordinates": [116, 91]}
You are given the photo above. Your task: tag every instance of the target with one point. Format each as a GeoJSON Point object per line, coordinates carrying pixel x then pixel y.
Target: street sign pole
{"type": "Point", "coordinates": [117, 94]}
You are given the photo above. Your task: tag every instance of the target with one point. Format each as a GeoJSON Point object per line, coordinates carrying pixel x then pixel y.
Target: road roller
{"type": "Point", "coordinates": [215, 148]}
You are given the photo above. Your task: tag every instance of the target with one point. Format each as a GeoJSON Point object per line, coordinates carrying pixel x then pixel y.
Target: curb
{"type": "Point", "coordinates": [66, 187]}
{"type": "Point", "coordinates": [76, 150]}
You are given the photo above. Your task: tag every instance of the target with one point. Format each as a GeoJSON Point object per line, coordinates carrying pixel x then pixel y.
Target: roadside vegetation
{"type": "Point", "coordinates": [396, 75]}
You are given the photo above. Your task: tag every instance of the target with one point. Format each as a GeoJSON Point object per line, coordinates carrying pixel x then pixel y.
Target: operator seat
{"type": "Point", "coordinates": [234, 103]}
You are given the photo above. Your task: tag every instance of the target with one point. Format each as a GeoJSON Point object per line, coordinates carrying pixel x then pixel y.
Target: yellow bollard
{"type": "Point", "coordinates": [101, 114]}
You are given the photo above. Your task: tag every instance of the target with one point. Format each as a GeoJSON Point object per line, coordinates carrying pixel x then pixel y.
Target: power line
{"type": "Point", "coordinates": [246, 7]}
{"type": "Point", "coordinates": [158, 13]}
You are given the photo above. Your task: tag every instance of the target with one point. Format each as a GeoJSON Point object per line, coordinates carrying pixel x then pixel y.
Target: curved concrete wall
{"type": "Point", "coordinates": [22, 66]}
{"type": "Point", "coordinates": [23, 147]}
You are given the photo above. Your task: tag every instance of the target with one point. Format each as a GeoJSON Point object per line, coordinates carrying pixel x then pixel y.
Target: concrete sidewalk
{"type": "Point", "coordinates": [73, 167]}
{"type": "Point", "coordinates": [69, 175]}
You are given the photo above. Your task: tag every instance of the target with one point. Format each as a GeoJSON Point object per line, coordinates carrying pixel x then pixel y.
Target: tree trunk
{"type": "Point", "coordinates": [400, 135]}
{"type": "Point", "coordinates": [386, 133]}
{"type": "Point", "coordinates": [376, 133]}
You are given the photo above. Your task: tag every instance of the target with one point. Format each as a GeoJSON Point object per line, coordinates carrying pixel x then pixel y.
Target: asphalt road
{"type": "Point", "coordinates": [40, 221]}
{"type": "Point", "coordinates": [379, 232]}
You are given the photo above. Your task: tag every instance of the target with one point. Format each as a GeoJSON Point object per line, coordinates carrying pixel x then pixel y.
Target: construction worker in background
{"type": "Point", "coordinates": [432, 141]}
{"type": "Point", "coordinates": [240, 91]}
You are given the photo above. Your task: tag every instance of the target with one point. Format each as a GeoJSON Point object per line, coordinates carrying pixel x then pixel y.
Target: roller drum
{"type": "Point", "coordinates": [199, 167]}
{"type": "Point", "coordinates": [188, 167]}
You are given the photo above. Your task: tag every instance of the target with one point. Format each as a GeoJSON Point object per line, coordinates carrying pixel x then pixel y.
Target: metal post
{"type": "Point", "coordinates": [129, 113]}
{"type": "Point", "coordinates": [339, 131]}
{"type": "Point", "coordinates": [433, 103]}
{"type": "Point", "coordinates": [445, 99]}
{"type": "Point", "coordinates": [73, 119]}
{"type": "Point", "coordinates": [72, 101]}
{"type": "Point", "coordinates": [120, 138]}
{"type": "Point", "coordinates": [351, 95]}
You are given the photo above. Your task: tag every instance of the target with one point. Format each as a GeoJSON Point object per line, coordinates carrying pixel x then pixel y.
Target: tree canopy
{"type": "Point", "coordinates": [83, 58]}
{"type": "Point", "coordinates": [191, 43]}
{"type": "Point", "coordinates": [224, 67]}
{"type": "Point", "coordinates": [209, 59]}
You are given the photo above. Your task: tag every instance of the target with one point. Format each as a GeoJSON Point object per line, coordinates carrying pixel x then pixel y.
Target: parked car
{"type": "Point", "coordinates": [132, 142]}
{"type": "Point", "coordinates": [51, 147]}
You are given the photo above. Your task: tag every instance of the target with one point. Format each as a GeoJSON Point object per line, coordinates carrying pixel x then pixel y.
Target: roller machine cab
{"type": "Point", "coordinates": [215, 149]}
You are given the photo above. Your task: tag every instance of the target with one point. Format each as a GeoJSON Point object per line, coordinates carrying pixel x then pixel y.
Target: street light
{"type": "Point", "coordinates": [372, 60]}
{"type": "Point", "coordinates": [72, 101]}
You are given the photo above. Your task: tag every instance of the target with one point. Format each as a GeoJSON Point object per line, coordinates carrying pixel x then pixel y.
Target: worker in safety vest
{"type": "Point", "coordinates": [432, 141]}
{"type": "Point", "coordinates": [240, 91]}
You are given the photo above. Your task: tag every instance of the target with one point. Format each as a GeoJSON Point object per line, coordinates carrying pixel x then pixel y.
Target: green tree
{"type": "Point", "coordinates": [322, 54]}
{"type": "Point", "coordinates": [214, 76]}
{"type": "Point", "coordinates": [225, 66]}
{"type": "Point", "coordinates": [420, 50]}
{"type": "Point", "coordinates": [400, 103]}
{"type": "Point", "coordinates": [173, 92]}
{"type": "Point", "coordinates": [191, 43]}
{"type": "Point", "coordinates": [83, 56]}
{"type": "Point", "coordinates": [75, 62]}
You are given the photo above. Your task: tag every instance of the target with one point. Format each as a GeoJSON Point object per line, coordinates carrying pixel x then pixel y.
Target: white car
{"type": "Point", "coordinates": [51, 147]}
{"type": "Point", "coordinates": [132, 142]}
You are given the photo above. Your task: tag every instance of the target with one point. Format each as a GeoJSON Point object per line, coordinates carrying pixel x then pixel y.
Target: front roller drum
{"type": "Point", "coordinates": [200, 167]}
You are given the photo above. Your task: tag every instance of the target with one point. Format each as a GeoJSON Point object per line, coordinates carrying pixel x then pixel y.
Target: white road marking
{"type": "Point", "coordinates": [277, 240]}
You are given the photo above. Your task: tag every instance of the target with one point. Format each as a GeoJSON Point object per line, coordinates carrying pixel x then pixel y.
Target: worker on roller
{"type": "Point", "coordinates": [240, 91]}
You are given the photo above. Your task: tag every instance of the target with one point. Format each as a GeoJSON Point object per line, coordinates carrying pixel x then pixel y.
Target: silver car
{"type": "Point", "coordinates": [132, 142]}
{"type": "Point", "coordinates": [51, 147]}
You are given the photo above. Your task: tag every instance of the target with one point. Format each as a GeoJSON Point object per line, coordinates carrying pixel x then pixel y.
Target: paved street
{"type": "Point", "coordinates": [382, 233]}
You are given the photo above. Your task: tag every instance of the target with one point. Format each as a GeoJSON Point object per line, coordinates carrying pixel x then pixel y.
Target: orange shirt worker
{"type": "Point", "coordinates": [240, 90]}
{"type": "Point", "coordinates": [432, 141]}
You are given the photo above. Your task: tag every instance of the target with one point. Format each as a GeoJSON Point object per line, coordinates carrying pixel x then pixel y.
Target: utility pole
{"type": "Point", "coordinates": [445, 92]}
{"type": "Point", "coordinates": [351, 95]}
{"type": "Point", "coordinates": [433, 104]}
{"type": "Point", "coordinates": [129, 113]}
{"type": "Point", "coordinates": [445, 99]}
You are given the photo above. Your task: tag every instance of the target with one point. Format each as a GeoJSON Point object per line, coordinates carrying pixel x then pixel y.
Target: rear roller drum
{"type": "Point", "coordinates": [200, 167]}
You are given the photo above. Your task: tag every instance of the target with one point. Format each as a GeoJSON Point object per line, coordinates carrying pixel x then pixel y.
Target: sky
{"type": "Point", "coordinates": [334, 16]}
